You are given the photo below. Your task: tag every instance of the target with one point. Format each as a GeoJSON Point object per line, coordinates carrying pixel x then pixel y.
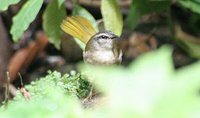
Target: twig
{"type": "Point", "coordinates": [23, 91]}
{"type": "Point", "coordinates": [7, 89]}
{"type": "Point", "coordinates": [20, 77]}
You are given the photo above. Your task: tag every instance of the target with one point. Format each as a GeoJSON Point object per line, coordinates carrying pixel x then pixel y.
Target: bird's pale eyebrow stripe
{"type": "Point", "coordinates": [102, 34]}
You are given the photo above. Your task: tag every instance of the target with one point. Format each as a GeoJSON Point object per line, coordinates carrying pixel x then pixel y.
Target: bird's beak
{"type": "Point", "coordinates": [114, 37]}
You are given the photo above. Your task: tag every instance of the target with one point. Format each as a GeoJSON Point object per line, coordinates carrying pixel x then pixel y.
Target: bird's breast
{"type": "Point", "coordinates": [99, 57]}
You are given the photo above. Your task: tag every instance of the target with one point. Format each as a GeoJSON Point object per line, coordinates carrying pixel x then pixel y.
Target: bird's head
{"type": "Point", "coordinates": [102, 41]}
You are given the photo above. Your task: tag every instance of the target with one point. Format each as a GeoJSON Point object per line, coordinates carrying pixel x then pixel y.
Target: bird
{"type": "Point", "coordinates": [102, 48]}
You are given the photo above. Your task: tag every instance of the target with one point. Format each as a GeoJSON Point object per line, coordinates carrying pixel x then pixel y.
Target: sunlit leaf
{"type": "Point", "coordinates": [112, 16]}
{"type": "Point", "coordinates": [53, 16]}
{"type": "Point", "coordinates": [24, 17]}
{"type": "Point", "coordinates": [4, 4]}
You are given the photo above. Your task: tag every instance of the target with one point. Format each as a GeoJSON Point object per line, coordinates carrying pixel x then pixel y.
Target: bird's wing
{"type": "Point", "coordinates": [79, 27]}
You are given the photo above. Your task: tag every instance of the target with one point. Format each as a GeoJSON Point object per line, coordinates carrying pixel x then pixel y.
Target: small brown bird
{"type": "Point", "coordinates": [101, 48]}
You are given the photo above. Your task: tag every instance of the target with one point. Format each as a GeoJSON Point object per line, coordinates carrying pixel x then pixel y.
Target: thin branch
{"type": "Point", "coordinates": [7, 88]}
{"type": "Point", "coordinates": [21, 81]}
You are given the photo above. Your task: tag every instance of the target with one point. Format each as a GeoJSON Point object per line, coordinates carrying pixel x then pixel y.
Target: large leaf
{"type": "Point", "coordinates": [4, 4]}
{"type": "Point", "coordinates": [112, 16]}
{"type": "Point", "coordinates": [142, 7]}
{"type": "Point", "coordinates": [25, 16]}
{"type": "Point", "coordinates": [80, 11]}
{"type": "Point", "coordinates": [53, 16]}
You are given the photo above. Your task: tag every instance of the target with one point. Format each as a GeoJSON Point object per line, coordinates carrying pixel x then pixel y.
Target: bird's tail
{"type": "Point", "coordinates": [78, 27]}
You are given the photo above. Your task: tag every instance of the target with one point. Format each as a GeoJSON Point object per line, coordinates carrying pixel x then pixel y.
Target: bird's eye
{"type": "Point", "coordinates": [104, 37]}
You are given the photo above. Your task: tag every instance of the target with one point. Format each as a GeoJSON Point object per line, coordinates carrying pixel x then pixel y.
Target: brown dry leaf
{"type": "Point", "coordinates": [23, 57]}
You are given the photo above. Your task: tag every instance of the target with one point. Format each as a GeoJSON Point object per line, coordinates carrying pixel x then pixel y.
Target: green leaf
{"type": "Point", "coordinates": [80, 11]}
{"type": "Point", "coordinates": [112, 16]}
{"type": "Point", "coordinates": [4, 4]}
{"type": "Point", "coordinates": [53, 16]}
{"type": "Point", "coordinates": [193, 5]}
{"type": "Point", "coordinates": [142, 7]}
{"type": "Point", "coordinates": [25, 16]}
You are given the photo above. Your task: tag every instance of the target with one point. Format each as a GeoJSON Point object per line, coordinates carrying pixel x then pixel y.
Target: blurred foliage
{"type": "Point", "coordinates": [148, 88]}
